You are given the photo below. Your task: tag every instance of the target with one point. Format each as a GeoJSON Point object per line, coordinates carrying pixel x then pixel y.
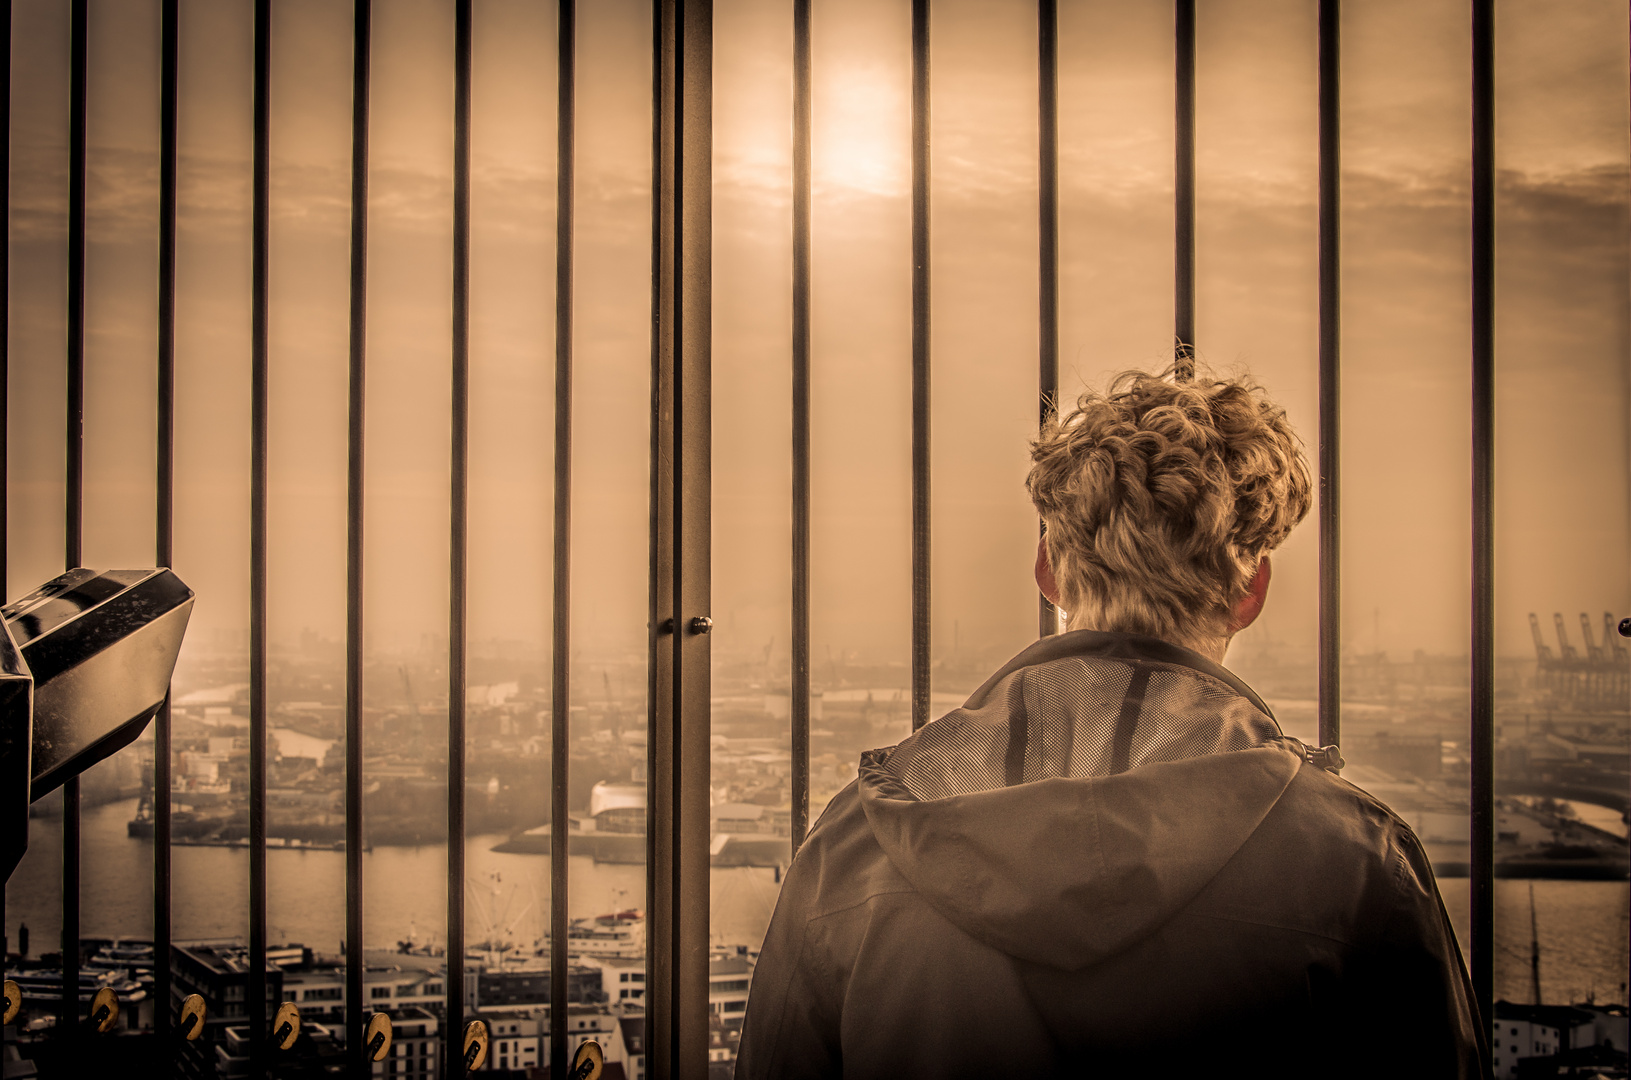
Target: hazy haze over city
{"type": "Point", "coordinates": [1564, 384]}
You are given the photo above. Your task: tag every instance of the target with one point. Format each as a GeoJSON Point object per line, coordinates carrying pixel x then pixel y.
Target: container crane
{"type": "Point", "coordinates": [1565, 651]}
{"type": "Point", "coordinates": [1612, 643]}
{"type": "Point", "coordinates": [1543, 652]}
{"type": "Point", "coordinates": [1593, 653]}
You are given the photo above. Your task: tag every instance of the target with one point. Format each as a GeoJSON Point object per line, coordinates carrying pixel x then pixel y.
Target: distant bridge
{"type": "Point", "coordinates": [1614, 796]}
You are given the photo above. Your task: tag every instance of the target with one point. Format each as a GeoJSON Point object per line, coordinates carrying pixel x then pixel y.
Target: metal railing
{"type": "Point", "coordinates": [678, 667]}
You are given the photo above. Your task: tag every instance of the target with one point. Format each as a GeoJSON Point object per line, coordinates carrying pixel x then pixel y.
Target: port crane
{"type": "Point", "coordinates": [1594, 678]}
{"type": "Point", "coordinates": [1611, 643]}
{"type": "Point", "coordinates": [1593, 653]}
{"type": "Point", "coordinates": [1543, 652]}
{"type": "Point", "coordinates": [1565, 651]}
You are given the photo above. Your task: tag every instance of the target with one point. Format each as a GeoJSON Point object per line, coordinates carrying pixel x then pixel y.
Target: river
{"type": "Point", "coordinates": [1582, 924]}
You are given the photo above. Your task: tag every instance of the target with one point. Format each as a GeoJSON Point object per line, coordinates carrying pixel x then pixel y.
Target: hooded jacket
{"type": "Point", "coordinates": [1108, 862]}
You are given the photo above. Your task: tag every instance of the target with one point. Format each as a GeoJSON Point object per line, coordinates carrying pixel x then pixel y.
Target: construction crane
{"type": "Point", "coordinates": [1593, 653]}
{"type": "Point", "coordinates": [614, 710]}
{"type": "Point", "coordinates": [1543, 652]}
{"type": "Point", "coordinates": [1565, 651]}
{"type": "Point", "coordinates": [413, 704]}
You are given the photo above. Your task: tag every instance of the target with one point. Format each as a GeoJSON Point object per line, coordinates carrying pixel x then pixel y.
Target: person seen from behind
{"type": "Point", "coordinates": [1111, 861]}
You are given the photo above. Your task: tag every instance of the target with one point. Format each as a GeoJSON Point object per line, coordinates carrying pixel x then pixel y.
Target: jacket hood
{"type": "Point", "coordinates": [1084, 795]}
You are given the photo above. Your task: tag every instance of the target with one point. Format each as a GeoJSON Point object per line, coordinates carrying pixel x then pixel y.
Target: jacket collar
{"type": "Point", "coordinates": [1110, 645]}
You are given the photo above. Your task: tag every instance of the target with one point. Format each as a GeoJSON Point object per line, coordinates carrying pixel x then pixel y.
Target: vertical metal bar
{"type": "Point", "coordinates": [1047, 92]}
{"type": "Point", "coordinates": [5, 370]}
{"type": "Point", "coordinates": [72, 556]}
{"type": "Point", "coordinates": [362, 14]}
{"type": "Point", "coordinates": [70, 904]}
{"type": "Point", "coordinates": [1483, 506]}
{"type": "Point", "coordinates": [164, 541]}
{"type": "Point", "coordinates": [920, 363]}
{"type": "Point", "coordinates": [5, 324]}
{"type": "Point", "coordinates": [75, 487]}
{"type": "Point", "coordinates": [661, 621]}
{"type": "Point", "coordinates": [255, 989]}
{"type": "Point", "coordinates": [458, 507]}
{"type": "Point", "coordinates": [800, 689]}
{"type": "Point", "coordinates": [1330, 389]}
{"type": "Point", "coordinates": [560, 698]}
{"type": "Point", "coordinates": [1183, 187]}
{"type": "Point", "coordinates": [677, 818]}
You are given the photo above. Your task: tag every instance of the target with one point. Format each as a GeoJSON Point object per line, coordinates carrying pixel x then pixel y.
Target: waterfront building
{"type": "Point", "coordinates": [1520, 1034]}
{"type": "Point", "coordinates": [318, 989]}
{"type": "Point", "coordinates": [415, 1045]}
{"type": "Point", "coordinates": [724, 1040]}
{"type": "Point", "coordinates": [217, 971]}
{"type": "Point", "coordinates": [514, 1039]}
{"type": "Point", "coordinates": [506, 988]}
{"type": "Point", "coordinates": [728, 979]}
{"type": "Point", "coordinates": [622, 978]}
{"type": "Point", "coordinates": [585, 1022]}
{"type": "Point", "coordinates": [631, 1027]}
{"type": "Point", "coordinates": [319, 1048]}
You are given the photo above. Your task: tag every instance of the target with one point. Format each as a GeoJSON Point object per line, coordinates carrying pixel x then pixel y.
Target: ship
{"type": "Point", "coordinates": [614, 831]}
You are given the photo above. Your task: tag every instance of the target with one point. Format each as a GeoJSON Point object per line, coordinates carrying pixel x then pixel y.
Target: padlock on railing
{"type": "Point", "coordinates": [475, 1045]}
{"type": "Point", "coordinates": [104, 1011]}
{"type": "Point", "coordinates": [191, 1024]}
{"type": "Point", "coordinates": [377, 1037]}
{"type": "Point", "coordinates": [588, 1063]}
{"type": "Point", "coordinates": [14, 1000]}
{"type": "Point", "coordinates": [286, 1026]}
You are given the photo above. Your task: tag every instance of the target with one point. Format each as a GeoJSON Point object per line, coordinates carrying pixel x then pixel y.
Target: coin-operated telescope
{"type": "Point", "coordinates": [85, 662]}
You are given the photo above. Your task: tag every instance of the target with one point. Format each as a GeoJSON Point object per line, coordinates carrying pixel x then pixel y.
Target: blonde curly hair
{"type": "Point", "coordinates": [1160, 497]}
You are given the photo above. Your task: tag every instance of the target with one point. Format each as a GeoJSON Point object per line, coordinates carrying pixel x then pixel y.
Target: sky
{"type": "Point", "coordinates": [1563, 481]}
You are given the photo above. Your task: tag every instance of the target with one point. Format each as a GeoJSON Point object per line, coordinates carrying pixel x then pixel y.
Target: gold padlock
{"type": "Point", "coordinates": [377, 1036]}
{"type": "Point", "coordinates": [475, 1045]}
{"type": "Point", "coordinates": [104, 1009]}
{"type": "Point", "coordinates": [588, 1062]}
{"type": "Point", "coordinates": [286, 1027]}
{"type": "Point", "coordinates": [191, 1024]}
{"type": "Point", "coordinates": [14, 1000]}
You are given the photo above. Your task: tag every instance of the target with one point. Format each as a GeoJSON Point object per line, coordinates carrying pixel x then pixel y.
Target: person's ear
{"type": "Point", "coordinates": [1044, 573]}
{"type": "Point", "coordinates": [1250, 606]}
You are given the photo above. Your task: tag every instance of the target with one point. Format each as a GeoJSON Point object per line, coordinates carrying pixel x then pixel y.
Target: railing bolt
{"type": "Point", "coordinates": [701, 624]}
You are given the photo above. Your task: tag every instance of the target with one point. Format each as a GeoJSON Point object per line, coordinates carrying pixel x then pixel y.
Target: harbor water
{"type": "Point", "coordinates": [1582, 925]}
